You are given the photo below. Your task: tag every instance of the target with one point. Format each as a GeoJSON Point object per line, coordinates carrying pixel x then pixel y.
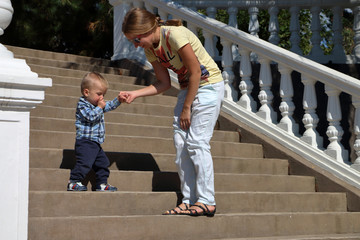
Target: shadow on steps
{"type": "Point", "coordinates": [161, 181]}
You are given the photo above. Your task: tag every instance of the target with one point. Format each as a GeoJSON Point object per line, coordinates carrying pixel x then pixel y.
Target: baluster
{"type": "Point", "coordinates": [233, 22]}
{"type": "Point", "coordinates": [122, 47]}
{"type": "Point", "coordinates": [338, 53]}
{"type": "Point", "coordinates": [356, 28]}
{"type": "Point", "coordinates": [287, 106]}
{"type": "Point", "coordinates": [310, 119]}
{"type": "Point", "coordinates": [265, 96]}
{"type": "Point", "coordinates": [356, 103]}
{"type": "Point", "coordinates": [191, 26]}
{"type": "Point", "coordinates": [209, 43]}
{"type": "Point", "coordinates": [149, 7]}
{"type": "Point", "coordinates": [274, 25]}
{"type": "Point", "coordinates": [253, 26]}
{"type": "Point", "coordinates": [211, 12]}
{"type": "Point", "coordinates": [138, 4]}
{"type": "Point", "coordinates": [334, 131]}
{"type": "Point", "coordinates": [163, 15]}
{"type": "Point", "coordinates": [316, 51]}
{"type": "Point", "coordinates": [228, 74]}
{"type": "Point", "coordinates": [295, 29]}
{"type": "Point", "coordinates": [246, 86]}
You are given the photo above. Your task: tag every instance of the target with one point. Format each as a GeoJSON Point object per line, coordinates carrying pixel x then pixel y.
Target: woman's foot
{"type": "Point", "coordinates": [178, 209]}
{"type": "Point", "coordinates": [200, 209]}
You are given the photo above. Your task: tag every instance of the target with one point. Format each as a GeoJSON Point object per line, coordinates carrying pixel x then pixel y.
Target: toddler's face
{"type": "Point", "coordinates": [95, 93]}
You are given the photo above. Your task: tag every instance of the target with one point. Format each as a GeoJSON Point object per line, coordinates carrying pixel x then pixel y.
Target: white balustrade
{"type": "Point", "coordinates": [295, 29]}
{"type": "Point", "coordinates": [274, 25]}
{"type": "Point", "coordinates": [265, 95]}
{"type": "Point", "coordinates": [335, 131]}
{"type": "Point", "coordinates": [310, 119]}
{"type": "Point", "coordinates": [287, 106]}
{"type": "Point", "coordinates": [228, 74]}
{"type": "Point", "coordinates": [356, 103]}
{"type": "Point", "coordinates": [333, 157]}
{"type": "Point", "coordinates": [246, 86]}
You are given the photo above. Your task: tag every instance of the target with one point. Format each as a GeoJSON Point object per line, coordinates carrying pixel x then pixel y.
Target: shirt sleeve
{"type": "Point", "coordinates": [90, 115]}
{"type": "Point", "coordinates": [112, 105]}
{"type": "Point", "coordinates": [178, 37]}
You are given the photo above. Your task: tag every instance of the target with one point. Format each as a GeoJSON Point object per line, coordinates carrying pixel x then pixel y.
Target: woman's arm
{"type": "Point", "coordinates": [162, 84]}
{"type": "Point", "coordinates": [192, 64]}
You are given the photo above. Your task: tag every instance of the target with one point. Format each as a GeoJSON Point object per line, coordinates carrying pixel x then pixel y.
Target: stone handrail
{"type": "Point", "coordinates": [293, 6]}
{"type": "Point", "coordinates": [334, 157]}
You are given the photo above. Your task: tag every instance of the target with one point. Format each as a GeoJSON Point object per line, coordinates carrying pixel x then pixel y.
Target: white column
{"type": "Point", "coordinates": [274, 25]}
{"type": "Point", "coordinates": [122, 47]}
{"type": "Point", "coordinates": [316, 52]}
{"type": "Point", "coordinates": [211, 12]}
{"type": "Point", "coordinates": [228, 74]}
{"type": "Point", "coordinates": [295, 29]}
{"type": "Point", "coordinates": [338, 53]}
{"type": "Point", "coordinates": [334, 131]}
{"type": "Point", "coordinates": [191, 26]}
{"type": "Point", "coordinates": [246, 86]}
{"type": "Point", "coordinates": [287, 105]}
{"type": "Point", "coordinates": [356, 28]}
{"type": "Point", "coordinates": [20, 91]}
{"type": "Point", "coordinates": [254, 26]}
{"type": "Point", "coordinates": [356, 103]}
{"type": "Point", "coordinates": [310, 119]}
{"type": "Point", "coordinates": [232, 11]}
{"type": "Point", "coordinates": [265, 96]}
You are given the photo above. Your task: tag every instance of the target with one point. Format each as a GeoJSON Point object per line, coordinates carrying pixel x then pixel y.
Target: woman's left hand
{"type": "Point", "coordinates": [185, 119]}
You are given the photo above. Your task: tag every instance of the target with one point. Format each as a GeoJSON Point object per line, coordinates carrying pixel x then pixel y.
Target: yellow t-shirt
{"type": "Point", "coordinates": [172, 38]}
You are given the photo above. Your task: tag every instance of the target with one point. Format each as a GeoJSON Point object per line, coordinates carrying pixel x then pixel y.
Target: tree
{"type": "Point", "coordinates": [81, 27]}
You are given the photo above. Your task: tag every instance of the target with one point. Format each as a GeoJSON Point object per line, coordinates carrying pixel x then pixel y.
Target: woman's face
{"type": "Point", "coordinates": [145, 40]}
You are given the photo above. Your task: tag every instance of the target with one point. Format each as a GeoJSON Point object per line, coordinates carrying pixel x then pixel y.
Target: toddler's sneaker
{"type": "Point", "coordinates": [105, 187]}
{"type": "Point", "coordinates": [76, 186]}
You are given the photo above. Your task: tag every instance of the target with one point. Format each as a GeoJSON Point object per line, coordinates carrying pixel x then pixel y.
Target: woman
{"type": "Point", "coordinates": [171, 46]}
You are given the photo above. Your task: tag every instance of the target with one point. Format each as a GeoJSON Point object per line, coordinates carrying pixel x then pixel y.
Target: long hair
{"type": "Point", "coordinates": [139, 21]}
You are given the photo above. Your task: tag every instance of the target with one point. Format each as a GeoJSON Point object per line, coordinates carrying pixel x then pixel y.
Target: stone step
{"type": "Point", "coordinates": [135, 107]}
{"type": "Point", "coordinates": [65, 159]}
{"type": "Point", "coordinates": [120, 82]}
{"type": "Point", "coordinates": [169, 181]}
{"type": "Point", "coordinates": [68, 125]}
{"type": "Point", "coordinates": [114, 116]}
{"type": "Point", "coordinates": [74, 93]}
{"type": "Point", "coordinates": [185, 227]}
{"type": "Point", "coordinates": [56, 204]}
{"type": "Point", "coordinates": [79, 74]}
{"type": "Point", "coordinates": [19, 51]}
{"type": "Point", "coordinates": [351, 236]}
{"type": "Point", "coordinates": [104, 67]}
{"type": "Point", "coordinates": [118, 143]}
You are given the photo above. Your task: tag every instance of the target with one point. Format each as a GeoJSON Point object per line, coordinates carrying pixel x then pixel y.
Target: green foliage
{"type": "Point", "coordinates": [85, 27]}
{"type": "Point", "coordinates": [72, 26]}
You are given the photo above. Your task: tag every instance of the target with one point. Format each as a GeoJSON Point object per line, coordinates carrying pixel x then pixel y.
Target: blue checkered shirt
{"type": "Point", "coordinates": [90, 122]}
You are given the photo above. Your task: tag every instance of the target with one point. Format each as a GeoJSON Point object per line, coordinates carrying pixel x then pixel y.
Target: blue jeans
{"type": "Point", "coordinates": [193, 156]}
{"type": "Point", "coordinates": [90, 155]}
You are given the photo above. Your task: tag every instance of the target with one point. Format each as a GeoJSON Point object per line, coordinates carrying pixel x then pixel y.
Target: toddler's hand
{"type": "Point", "coordinates": [101, 103]}
{"type": "Point", "coordinates": [122, 97]}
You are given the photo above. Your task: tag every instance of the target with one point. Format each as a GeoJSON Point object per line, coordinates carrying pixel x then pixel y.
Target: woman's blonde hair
{"type": "Point", "coordinates": [139, 21]}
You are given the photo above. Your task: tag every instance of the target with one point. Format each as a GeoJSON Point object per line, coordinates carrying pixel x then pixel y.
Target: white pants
{"type": "Point", "coordinates": [193, 157]}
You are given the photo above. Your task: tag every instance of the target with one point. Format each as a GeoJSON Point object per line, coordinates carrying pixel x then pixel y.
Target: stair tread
{"type": "Point", "coordinates": [152, 227]}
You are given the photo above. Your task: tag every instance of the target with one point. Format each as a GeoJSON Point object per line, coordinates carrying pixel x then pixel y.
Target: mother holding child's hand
{"type": "Point", "coordinates": [169, 45]}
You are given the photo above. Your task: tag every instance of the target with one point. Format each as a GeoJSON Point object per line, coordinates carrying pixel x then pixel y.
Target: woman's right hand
{"type": "Point", "coordinates": [127, 97]}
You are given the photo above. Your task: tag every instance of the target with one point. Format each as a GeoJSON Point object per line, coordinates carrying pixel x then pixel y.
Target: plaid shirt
{"type": "Point", "coordinates": [90, 122]}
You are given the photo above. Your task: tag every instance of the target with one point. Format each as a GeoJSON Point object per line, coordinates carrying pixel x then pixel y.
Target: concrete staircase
{"type": "Point", "coordinates": [256, 198]}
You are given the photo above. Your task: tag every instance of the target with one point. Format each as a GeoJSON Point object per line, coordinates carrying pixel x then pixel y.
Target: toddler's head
{"type": "Point", "coordinates": [94, 87]}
